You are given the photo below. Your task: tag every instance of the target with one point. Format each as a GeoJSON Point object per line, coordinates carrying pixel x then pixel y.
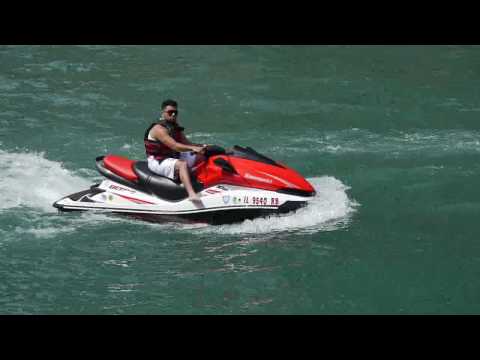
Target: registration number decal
{"type": "Point", "coordinates": [256, 200]}
{"type": "Point", "coordinates": [265, 201]}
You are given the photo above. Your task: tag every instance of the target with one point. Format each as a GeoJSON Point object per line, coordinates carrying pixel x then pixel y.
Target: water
{"type": "Point", "coordinates": [388, 136]}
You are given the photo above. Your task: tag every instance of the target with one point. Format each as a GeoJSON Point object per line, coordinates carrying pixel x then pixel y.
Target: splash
{"type": "Point", "coordinates": [331, 209]}
{"type": "Point", "coordinates": [30, 180]}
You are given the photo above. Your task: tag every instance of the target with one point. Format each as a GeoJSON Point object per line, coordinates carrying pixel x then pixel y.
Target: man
{"type": "Point", "coordinates": [169, 151]}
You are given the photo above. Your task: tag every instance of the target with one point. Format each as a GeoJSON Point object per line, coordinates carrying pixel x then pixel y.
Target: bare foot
{"type": "Point", "coordinates": [194, 197]}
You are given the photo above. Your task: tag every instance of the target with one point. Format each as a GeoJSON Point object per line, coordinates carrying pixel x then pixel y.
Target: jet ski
{"type": "Point", "coordinates": [233, 185]}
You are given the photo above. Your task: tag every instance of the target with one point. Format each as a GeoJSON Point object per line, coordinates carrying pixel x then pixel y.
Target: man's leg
{"type": "Point", "coordinates": [181, 167]}
{"type": "Point", "coordinates": [193, 160]}
{"type": "Point", "coordinates": [198, 159]}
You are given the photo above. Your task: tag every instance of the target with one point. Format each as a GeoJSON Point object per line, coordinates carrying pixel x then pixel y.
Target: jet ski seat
{"type": "Point", "coordinates": [161, 186]}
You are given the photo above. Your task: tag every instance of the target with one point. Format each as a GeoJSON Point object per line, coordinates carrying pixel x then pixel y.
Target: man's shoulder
{"type": "Point", "coordinates": [159, 127]}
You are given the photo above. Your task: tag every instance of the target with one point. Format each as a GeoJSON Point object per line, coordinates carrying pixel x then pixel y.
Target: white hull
{"type": "Point", "coordinates": [218, 204]}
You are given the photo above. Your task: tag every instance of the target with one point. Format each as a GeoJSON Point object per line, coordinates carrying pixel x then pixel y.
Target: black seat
{"type": "Point", "coordinates": [163, 187]}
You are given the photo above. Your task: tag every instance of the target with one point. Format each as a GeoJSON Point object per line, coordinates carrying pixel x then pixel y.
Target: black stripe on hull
{"type": "Point", "coordinates": [75, 197]}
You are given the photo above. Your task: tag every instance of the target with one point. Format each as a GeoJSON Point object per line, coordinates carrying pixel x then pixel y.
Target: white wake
{"type": "Point", "coordinates": [30, 180]}
{"type": "Point", "coordinates": [329, 210]}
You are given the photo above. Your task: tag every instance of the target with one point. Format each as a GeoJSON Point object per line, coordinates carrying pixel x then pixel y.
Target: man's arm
{"type": "Point", "coordinates": [188, 142]}
{"type": "Point", "coordinates": [161, 134]}
{"type": "Point", "coordinates": [185, 140]}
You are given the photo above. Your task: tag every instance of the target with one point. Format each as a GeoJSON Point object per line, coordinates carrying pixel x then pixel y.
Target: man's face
{"type": "Point", "coordinates": [170, 113]}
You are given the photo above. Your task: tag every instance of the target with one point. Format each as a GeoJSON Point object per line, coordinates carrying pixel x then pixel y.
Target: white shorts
{"type": "Point", "coordinates": [167, 166]}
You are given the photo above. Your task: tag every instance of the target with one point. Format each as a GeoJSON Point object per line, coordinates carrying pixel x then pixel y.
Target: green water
{"type": "Point", "coordinates": [388, 135]}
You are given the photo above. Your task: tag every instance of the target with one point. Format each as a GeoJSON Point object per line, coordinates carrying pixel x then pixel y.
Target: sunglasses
{"type": "Point", "coordinates": [172, 112]}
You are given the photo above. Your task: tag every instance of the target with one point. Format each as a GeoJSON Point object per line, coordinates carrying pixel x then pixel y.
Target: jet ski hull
{"type": "Point", "coordinates": [221, 204]}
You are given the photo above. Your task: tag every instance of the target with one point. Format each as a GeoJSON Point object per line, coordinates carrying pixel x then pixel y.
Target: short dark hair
{"type": "Point", "coordinates": [169, 102]}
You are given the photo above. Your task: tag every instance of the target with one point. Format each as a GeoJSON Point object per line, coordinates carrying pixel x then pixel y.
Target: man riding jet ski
{"type": "Point", "coordinates": [232, 185]}
{"type": "Point", "coordinates": [182, 179]}
{"type": "Point", "coordinates": [169, 152]}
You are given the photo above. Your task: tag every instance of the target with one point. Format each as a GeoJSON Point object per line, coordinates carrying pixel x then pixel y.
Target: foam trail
{"type": "Point", "coordinates": [30, 180]}
{"type": "Point", "coordinates": [329, 210]}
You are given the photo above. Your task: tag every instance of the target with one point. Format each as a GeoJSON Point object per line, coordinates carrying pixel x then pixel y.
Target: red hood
{"type": "Point", "coordinates": [254, 174]}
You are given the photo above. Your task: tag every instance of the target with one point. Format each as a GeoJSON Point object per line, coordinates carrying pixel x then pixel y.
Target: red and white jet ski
{"type": "Point", "coordinates": [233, 185]}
